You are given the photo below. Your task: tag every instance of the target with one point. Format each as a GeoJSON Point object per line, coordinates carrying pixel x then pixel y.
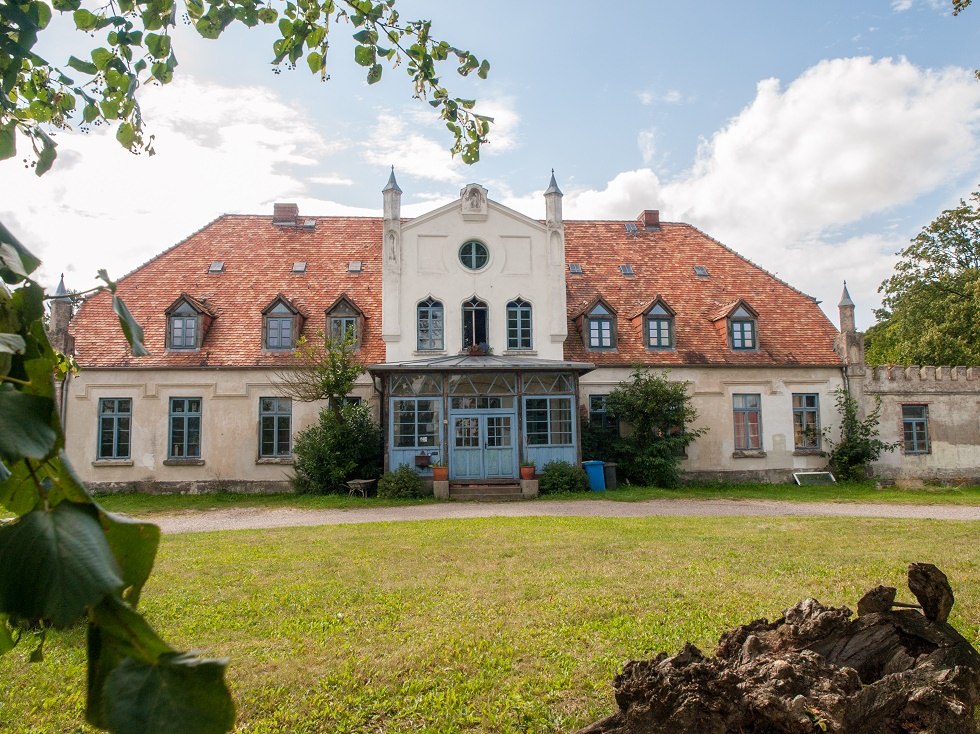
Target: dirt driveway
{"type": "Point", "coordinates": [251, 518]}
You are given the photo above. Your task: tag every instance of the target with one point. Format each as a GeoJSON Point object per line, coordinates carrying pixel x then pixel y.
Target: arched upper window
{"type": "Point", "coordinates": [474, 323]}
{"type": "Point", "coordinates": [519, 324]}
{"type": "Point", "coordinates": [431, 333]}
{"type": "Point", "coordinates": [742, 329]}
{"type": "Point", "coordinates": [473, 255]}
{"type": "Point", "coordinates": [601, 327]}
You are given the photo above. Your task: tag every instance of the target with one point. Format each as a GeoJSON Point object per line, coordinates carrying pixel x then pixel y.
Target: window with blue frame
{"type": "Point", "coordinates": [275, 427]}
{"type": "Point", "coordinates": [548, 421]}
{"type": "Point", "coordinates": [185, 428]}
{"type": "Point", "coordinates": [806, 421]}
{"type": "Point", "coordinates": [115, 416]}
{"type": "Point", "coordinates": [601, 326]}
{"type": "Point", "coordinates": [519, 324]}
{"type": "Point", "coordinates": [742, 329]}
{"type": "Point", "coordinates": [183, 327]}
{"type": "Point", "coordinates": [280, 327]}
{"type": "Point", "coordinates": [415, 423]}
{"type": "Point", "coordinates": [748, 421]}
{"type": "Point", "coordinates": [660, 327]}
{"type": "Point", "coordinates": [915, 425]}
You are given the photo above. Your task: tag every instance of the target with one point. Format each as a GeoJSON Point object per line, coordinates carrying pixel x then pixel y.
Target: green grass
{"type": "Point", "coordinates": [491, 625]}
{"type": "Point", "coordinates": [145, 504]}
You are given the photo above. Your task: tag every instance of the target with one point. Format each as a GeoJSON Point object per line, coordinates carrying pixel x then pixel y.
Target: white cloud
{"type": "Point", "coordinates": [900, 6]}
{"type": "Point", "coordinates": [392, 143]}
{"type": "Point", "coordinates": [647, 142]}
{"type": "Point", "coordinates": [220, 149]}
{"type": "Point", "coordinates": [671, 96]}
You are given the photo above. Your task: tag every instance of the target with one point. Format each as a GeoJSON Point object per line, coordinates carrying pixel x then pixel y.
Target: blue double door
{"type": "Point", "coordinates": [483, 445]}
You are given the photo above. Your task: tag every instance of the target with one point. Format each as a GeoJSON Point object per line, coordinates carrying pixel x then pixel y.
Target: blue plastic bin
{"type": "Point", "coordinates": [595, 471]}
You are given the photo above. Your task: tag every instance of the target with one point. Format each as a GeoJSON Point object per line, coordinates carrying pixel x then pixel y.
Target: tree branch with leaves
{"type": "Point", "coordinates": [39, 96]}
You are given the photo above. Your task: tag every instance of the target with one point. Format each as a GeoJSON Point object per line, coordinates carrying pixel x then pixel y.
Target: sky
{"type": "Point", "coordinates": [814, 138]}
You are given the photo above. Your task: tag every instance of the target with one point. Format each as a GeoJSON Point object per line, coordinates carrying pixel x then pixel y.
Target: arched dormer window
{"type": "Point", "coordinates": [742, 329]}
{"type": "Point", "coordinates": [600, 327]}
{"type": "Point", "coordinates": [474, 323]}
{"type": "Point", "coordinates": [281, 324]}
{"type": "Point", "coordinates": [519, 329]}
{"type": "Point", "coordinates": [188, 320]}
{"type": "Point", "coordinates": [431, 326]}
{"type": "Point", "coordinates": [659, 326]}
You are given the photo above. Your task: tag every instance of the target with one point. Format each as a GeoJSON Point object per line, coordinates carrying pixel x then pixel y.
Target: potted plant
{"type": "Point", "coordinates": [527, 469]}
{"type": "Point", "coordinates": [440, 471]}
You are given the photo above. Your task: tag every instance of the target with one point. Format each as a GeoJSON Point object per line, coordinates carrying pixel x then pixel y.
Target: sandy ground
{"type": "Point", "coordinates": [251, 518]}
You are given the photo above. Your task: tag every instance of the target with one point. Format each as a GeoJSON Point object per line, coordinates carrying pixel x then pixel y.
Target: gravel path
{"type": "Point", "coordinates": [252, 518]}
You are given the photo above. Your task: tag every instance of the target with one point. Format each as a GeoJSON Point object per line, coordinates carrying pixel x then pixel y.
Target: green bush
{"type": "Point", "coordinates": [403, 482]}
{"type": "Point", "coordinates": [560, 477]}
{"type": "Point", "coordinates": [340, 446]}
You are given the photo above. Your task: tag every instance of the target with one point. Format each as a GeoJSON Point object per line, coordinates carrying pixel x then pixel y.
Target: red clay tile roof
{"type": "Point", "coordinates": [258, 258]}
{"type": "Point", "coordinates": [791, 327]}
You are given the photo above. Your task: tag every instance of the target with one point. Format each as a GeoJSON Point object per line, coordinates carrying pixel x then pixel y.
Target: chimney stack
{"type": "Point", "coordinates": [650, 218]}
{"type": "Point", "coordinates": [285, 215]}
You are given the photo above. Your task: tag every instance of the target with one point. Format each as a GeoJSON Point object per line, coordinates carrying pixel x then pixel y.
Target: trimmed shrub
{"type": "Point", "coordinates": [337, 448]}
{"type": "Point", "coordinates": [560, 477]}
{"type": "Point", "coordinates": [403, 482]}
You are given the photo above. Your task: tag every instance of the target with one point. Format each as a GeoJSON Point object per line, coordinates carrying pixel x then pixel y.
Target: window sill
{"type": "Point", "coordinates": [520, 353]}
{"type": "Point", "coordinates": [808, 452]}
{"type": "Point", "coordinates": [183, 462]}
{"type": "Point", "coordinates": [748, 454]}
{"type": "Point", "coordinates": [429, 352]}
{"type": "Point", "coordinates": [112, 462]}
{"type": "Point", "coordinates": [275, 460]}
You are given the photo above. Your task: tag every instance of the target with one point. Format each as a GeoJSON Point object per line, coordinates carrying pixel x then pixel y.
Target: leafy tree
{"type": "Point", "coordinates": [343, 444]}
{"type": "Point", "coordinates": [659, 414]}
{"type": "Point", "coordinates": [134, 47]}
{"type": "Point", "coordinates": [931, 307]}
{"type": "Point", "coordinates": [858, 444]}
{"type": "Point", "coordinates": [325, 369]}
{"type": "Point", "coordinates": [64, 559]}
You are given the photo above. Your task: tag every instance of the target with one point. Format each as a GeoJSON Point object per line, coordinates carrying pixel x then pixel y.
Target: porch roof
{"type": "Point", "coordinates": [482, 363]}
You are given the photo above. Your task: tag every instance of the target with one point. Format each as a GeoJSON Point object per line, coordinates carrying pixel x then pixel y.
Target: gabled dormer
{"type": "Point", "coordinates": [741, 325]}
{"type": "Point", "coordinates": [282, 323]}
{"type": "Point", "coordinates": [188, 321]}
{"type": "Point", "coordinates": [597, 324]}
{"type": "Point", "coordinates": [344, 319]}
{"type": "Point", "coordinates": [657, 321]}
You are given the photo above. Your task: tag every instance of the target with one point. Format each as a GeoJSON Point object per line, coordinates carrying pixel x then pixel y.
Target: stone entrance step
{"type": "Point", "coordinates": [485, 491]}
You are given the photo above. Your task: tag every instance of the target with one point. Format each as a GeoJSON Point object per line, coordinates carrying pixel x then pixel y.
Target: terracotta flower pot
{"type": "Point", "coordinates": [527, 472]}
{"type": "Point", "coordinates": [440, 473]}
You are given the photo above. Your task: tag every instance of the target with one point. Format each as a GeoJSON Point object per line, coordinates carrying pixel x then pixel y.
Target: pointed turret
{"type": "Point", "coordinates": [846, 310]}
{"type": "Point", "coordinates": [391, 260]}
{"type": "Point", "coordinates": [552, 202]}
{"type": "Point", "coordinates": [392, 198]}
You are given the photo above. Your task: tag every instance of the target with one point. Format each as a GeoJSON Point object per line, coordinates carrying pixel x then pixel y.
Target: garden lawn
{"type": "Point", "coordinates": [489, 625]}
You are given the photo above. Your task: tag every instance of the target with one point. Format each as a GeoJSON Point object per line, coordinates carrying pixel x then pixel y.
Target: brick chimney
{"type": "Point", "coordinates": [285, 215]}
{"type": "Point", "coordinates": [650, 219]}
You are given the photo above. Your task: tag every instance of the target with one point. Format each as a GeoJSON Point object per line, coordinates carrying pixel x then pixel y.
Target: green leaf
{"type": "Point", "coordinates": [83, 66]}
{"type": "Point", "coordinates": [8, 140]}
{"type": "Point", "coordinates": [131, 328]}
{"type": "Point", "coordinates": [25, 429]}
{"type": "Point", "coordinates": [45, 158]}
{"type": "Point", "coordinates": [18, 492]}
{"type": "Point", "coordinates": [158, 45]}
{"type": "Point", "coordinates": [43, 13]}
{"type": "Point", "coordinates": [126, 134]}
{"type": "Point", "coordinates": [12, 343]}
{"type": "Point", "coordinates": [367, 37]}
{"type": "Point", "coordinates": [374, 74]}
{"type": "Point", "coordinates": [364, 55]}
{"type": "Point", "coordinates": [10, 259]}
{"type": "Point", "coordinates": [195, 8]}
{"type": "Point", "coordinates": [268, 15]}
{"type": "Point", "coordinates": [85, 20]}
{"type": "Point", "coordinates": [54, 564]}
{"type": "Point", "coordinates": [484, 69]}
{"type": "Point", "coordinates": [90, 112]}
{"type": "Point", "coordinates": [182, 694]}
{"type": "Point", "coordinates": [101, 58]}
{"type": "Point", "coordinates": [315, 61]}
{"type": "Point", "coordinates": [67, 485]}
{"type": "Point", "coordinates": [65, 6]}
{"type": "Point", "coordinates": [134, 544]}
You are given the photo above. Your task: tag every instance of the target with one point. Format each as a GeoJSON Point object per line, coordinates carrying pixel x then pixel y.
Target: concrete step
{"type": "Point", "coordinates": [496, 492]}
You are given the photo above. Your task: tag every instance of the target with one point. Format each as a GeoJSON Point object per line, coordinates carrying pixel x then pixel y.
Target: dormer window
{"type": "Point", "coordinates": [660, 326]}
{"type": "Point", "coordinates": [345, 321]}
{"type": "Point", "coordinates": [742, 332]}
{"type": "Point", "coordinates": [601, 327]}
{"type": "Point", "coordinates": [188, 320]}
{"type": "Point", "coordinates": [281, 325]}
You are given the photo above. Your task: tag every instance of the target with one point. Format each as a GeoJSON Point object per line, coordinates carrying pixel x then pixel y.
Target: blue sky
{"type": "Point", "coordinates": [814, 138]}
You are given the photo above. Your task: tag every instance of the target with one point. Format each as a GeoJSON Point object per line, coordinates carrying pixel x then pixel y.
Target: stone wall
{"type": "Point", "coordinates": [951, 396]}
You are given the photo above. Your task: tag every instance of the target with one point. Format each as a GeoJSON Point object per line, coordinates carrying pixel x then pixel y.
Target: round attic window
{"type": "Point", "coordinates": [473, 255]}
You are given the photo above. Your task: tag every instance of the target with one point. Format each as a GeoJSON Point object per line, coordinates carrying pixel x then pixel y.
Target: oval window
{"type": "Point", "coordinates": [473, 255]}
